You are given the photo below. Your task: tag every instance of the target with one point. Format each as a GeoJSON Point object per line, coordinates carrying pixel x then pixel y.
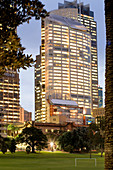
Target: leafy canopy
{"type": "Point", "coordinates": [33, 137]}
{"type": "Point", "coordinates": [14, 13]}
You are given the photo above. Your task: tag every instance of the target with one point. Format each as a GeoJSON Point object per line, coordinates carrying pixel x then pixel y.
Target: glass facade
{"type": "Point", "coordinates": [65, 64]}
{"type": "Point", "coordinates": [86, 17]}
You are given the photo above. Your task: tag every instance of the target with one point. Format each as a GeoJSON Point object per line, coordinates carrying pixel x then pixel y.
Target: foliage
{"type": "Point", "coordinates": [97, 137]}
{"type": "Point", "coordinates": [15, 13]}
{"type": "Point", "coordinates": [4, 143]}
{"type": "Point", "coordinates": [65, 139]}
{"type": "Point", "coordinates": [78, 139]}
{"type": "Point", "coordinates": [94, 127]}
{"type": "Point", "coordinates": [12, 146]}
{"type": "Point", "coordinates": [82, 139]}
{"type": "Point", "coordinates": [4, 148]}
{"type": "Point", "coordinates": [11, 129]}
{"type": "Point", "coordinates": [33, 137]}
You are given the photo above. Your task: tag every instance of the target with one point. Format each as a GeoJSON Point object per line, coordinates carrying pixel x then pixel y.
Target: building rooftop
{"type": "Point", "coordinates": [85, 9]}
{"type": "Point", "coordinates": [72, 23]}
{"type": "Point", "coordinates": [63, 102]}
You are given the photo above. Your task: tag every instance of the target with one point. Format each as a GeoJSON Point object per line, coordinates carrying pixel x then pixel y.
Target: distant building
{"type": "Point", "coordinates": [9, 97]}
{"type": "Point", "coordinates": [51, 127]}
{"type": "Point", "coordinates": [65, 111]}
{"type": "Point", "coordinates": [25, 116]}
{"type": "Point", "coordinates": [88, 119]}
{"type": "Point", "coordinates": [98, 113]}
{"type": "Point", "coordinates": [100, 96]}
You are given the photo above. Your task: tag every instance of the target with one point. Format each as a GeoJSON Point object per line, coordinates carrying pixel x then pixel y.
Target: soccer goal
{"type": "Point", "coordinates": [85, 158]}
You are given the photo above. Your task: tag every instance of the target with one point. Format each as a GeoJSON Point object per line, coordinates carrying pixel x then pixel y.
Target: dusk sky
{"type": "Point", "coordinates": [30, 35]}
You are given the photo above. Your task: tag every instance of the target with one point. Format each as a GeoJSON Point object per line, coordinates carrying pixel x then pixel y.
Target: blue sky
{"type": "Point", "coordinates": [30, 35]}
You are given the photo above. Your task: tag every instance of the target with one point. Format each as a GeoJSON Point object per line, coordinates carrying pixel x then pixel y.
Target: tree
{"type": "Point", "coordinates": [99, 137]}
{"type": "Point", "coordinates": [11, 130]}
{"type": "Point", "coordinates": [12, 146]}
{"type": "Point", "coordinates": [75, 140]}
{"type": "Point", "coordinates": [15, 13]}
{"type": "Point", "coordinates": [83, 138]}
{"type": "Point", "coordinates": [109, 86]}
{"type": "Point", "coordinates": [4, 143]}
{"type": "Point", "coordinates": [99, 141]}
{"type": "Point", "coordinates": [33, 137]}
{"type": "Point", "coordinates": [65, 140]}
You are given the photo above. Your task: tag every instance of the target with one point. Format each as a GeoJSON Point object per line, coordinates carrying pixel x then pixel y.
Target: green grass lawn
{"type": "Point", "coordinates": [49, 161]}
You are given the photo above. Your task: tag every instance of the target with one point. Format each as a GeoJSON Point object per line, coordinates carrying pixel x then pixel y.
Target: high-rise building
{"type": "Point", "coordinates": [9, 97]}
{"type": "Point", "coordinates": [100, 96]}
{"type": "Point", "coordinates": [63, 69]}
{"type": "Point", "coordinates": [84, 15]}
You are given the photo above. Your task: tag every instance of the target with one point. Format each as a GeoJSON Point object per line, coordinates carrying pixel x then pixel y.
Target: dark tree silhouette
{"type": "Point", "coordinates": [33, 137]}
{"type": "Point", "coordinates": [12, 14]}
{"type": "Point", "coordinates": [12, 146]}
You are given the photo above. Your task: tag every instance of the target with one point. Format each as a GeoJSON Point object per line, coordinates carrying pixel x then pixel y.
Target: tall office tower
{"type": "Point", "coordinates": [100, 96]}
{"type": "Point", "coordinates": [86, 17]}
{"type": "Point", "coordinates": [9, 97]}
{"type": "Point", "coordinates": [63, 70]}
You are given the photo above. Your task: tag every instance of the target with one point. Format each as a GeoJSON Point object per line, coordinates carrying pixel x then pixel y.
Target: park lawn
{"type": "Point", "coordinates": [49, 161]}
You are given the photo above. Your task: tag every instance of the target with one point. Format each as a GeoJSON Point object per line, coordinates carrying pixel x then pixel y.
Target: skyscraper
{"type": "Point", "coordinates": [9, 97]}
{"type": "Point", "coordinates": [86, 17]}
{"type": "Point", "coordinates": [63, 69]}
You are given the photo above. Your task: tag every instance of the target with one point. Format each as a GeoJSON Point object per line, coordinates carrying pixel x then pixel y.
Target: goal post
{"type": "Point", "coordinates": [85, 158]}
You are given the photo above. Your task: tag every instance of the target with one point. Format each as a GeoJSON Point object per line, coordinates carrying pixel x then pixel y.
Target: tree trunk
{"type": "Point", "coordinates": [90, 153]}
{"type": "Point", "coordinates": [109, 86]}
{"type": "Point", "coordinates": [101, 151]}
{"type": "Point", "coordinates": [33, 150]}
{"type": "Point", "coordinates": [90, 150]}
